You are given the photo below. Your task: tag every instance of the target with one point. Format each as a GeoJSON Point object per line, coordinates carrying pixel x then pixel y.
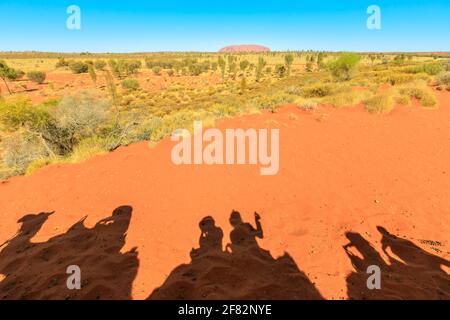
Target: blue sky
{"type": "Point", "coordinates": [198, 25]}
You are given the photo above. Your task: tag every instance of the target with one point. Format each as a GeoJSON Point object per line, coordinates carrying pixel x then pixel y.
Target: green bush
{"type": "Point", "coordinates": [62, 63]}
{"type": "Point", "coordinates": [344, 67]}
{"type": "Point", "coordinates": [37, 76]}
{"type": "Point", "coordinates": [130, 84]}
{"type": "Point", "coordinates": [156, 70]}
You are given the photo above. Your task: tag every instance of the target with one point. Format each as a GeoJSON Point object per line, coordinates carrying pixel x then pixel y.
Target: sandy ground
{"type": "Point", "coordinates": [353, 190]}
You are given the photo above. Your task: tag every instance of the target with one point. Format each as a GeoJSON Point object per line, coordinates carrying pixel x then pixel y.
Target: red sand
{"type": "Point", "coordinates": [343, 171]}
{"type": "Point", "coordinates": [245, 48]}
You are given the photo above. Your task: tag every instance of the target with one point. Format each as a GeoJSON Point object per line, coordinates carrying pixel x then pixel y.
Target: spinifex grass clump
{"type": "Point", "coordinates": [380, 103]}
{"type": "Point", "coordinates": [37, 76]}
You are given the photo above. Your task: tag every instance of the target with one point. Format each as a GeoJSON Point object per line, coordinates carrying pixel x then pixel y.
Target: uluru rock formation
{"type": "Point", "coordinates": [245, 48]}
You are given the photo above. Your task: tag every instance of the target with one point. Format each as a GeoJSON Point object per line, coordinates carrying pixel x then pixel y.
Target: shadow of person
{"type": "Point", "coordinates": [38, 270]}
{"type": "Point", "coordinates": [243, 272]}
{"type": "Point", "coordinates": [369, 255]}
{"type": "Point", "coordinates": [211, 238]}
{"type": "Point", "coordinates": [411, 273]}
{"type": "Point", "coordinates": [243, 235]}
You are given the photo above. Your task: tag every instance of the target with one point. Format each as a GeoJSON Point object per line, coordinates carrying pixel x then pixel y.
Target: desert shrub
{"type": "Point", "coordinates": [62, 63]}
{"type": "Point", "coordinates": [293, 90]}
{"type": "Point", "coordinates": [78, 67]}
{"type": "Point", "coordinates": [80, 115]}
{"type": "Point", "coordinates": [156, 70]}
{"type": "Point", "coordinates": [170, 72]}
{"type": "Point", "coordinates": [132, 66]}
{"type": "Point", "coordinates": [92, 73]}
{"type": "Point", "coordinates": [130, 84]}
{"type": "Point", "coordinates": [308, 105]}
{"type": "Point", "coordinates": [20, 149]}
{"type": "Point", "coordinates": [18, 112]}
{"type": "Point", "coordinates": [421, 93]}
{"type": "Point", "coordinates": [400, 59]}
{"type": "Point", "coordinates": [402, 99]}
{"type": "Point", "coordinates": [317, 90]}
{"type": "Point", "coordinates": [259, 68]}
{"type": "Point", "coordinates": [39, 163]}
{"type": "Point", "coordinates": [430, 69]}
{"type": "Point", "coordinates": [224, 110]}
{"type": "Point", "coordinates": [433, 68]}
{"type": "Point", "coordinates": [100, 65]}
{"type": "Point", "coordinates": [380, 103]}
{"type": "Point", "coordinates": [87, 148]}
{"type": "Point", "coordinates": [344, 67]}
{"type": "Point", "coordinates": [7, 73]}
{"type": "Point", "coordinates": [288, 60]}
{"type": "Point", "coordinates": [345, 98]}
{"type": "Point", "coordinates": [272, 102]}
{"type": "Point", "coordinates": [444, 78]}
{"type": "Point", "coordinates": [37, 76]}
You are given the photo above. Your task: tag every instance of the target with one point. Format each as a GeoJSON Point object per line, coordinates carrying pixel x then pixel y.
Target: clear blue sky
{"type": "Point", "coordinates": [198, 25]}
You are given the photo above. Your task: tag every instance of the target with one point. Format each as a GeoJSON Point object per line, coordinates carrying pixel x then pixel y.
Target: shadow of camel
{"type": "Point", "coordinates": [411, 272]}
{"type": "Point", "coordinates": [38, 270]}
{"type": "Point", "coordinates": [244, 271]}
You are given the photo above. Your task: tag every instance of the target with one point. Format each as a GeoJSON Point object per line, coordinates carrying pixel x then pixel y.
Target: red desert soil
{"type": "Point", "coordinates": [245, 48]}
{"type": "Point", "coordinates": [353, 190]}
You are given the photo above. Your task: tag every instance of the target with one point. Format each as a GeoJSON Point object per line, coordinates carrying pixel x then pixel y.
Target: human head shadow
{"type": "Point", "coordinates": [409, 273]}
{"type": "Point", "coordinates": [38, 270]}
{"type": "Point", "coordinates": [244, 271]}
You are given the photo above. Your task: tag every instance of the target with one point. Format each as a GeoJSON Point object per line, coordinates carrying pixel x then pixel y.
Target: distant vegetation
{"type": "Point", "coordinates": [146, 96]}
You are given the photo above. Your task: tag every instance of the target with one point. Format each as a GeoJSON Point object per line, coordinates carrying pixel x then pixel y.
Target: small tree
{"type": "Point", "coordinates": [130, 84]}
{"type": "Point", "coordinates": [280, 71]}
{"type": "Point", "coordinates": [7, 73]}
{"type": "Point", "coordinates": [37, 76]}
{"type": "Point", "coordinates": [288, 60]}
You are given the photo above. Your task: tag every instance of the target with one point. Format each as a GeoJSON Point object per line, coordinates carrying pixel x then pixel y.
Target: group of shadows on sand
{"type": "Point", "coordinates": [242, 271]}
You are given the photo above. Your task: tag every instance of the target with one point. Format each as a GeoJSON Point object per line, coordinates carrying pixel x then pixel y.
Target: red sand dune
{"type": "Point", "coordinates": [245, 48]}
{"type": "Point", "coordinates": [354, 189]}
